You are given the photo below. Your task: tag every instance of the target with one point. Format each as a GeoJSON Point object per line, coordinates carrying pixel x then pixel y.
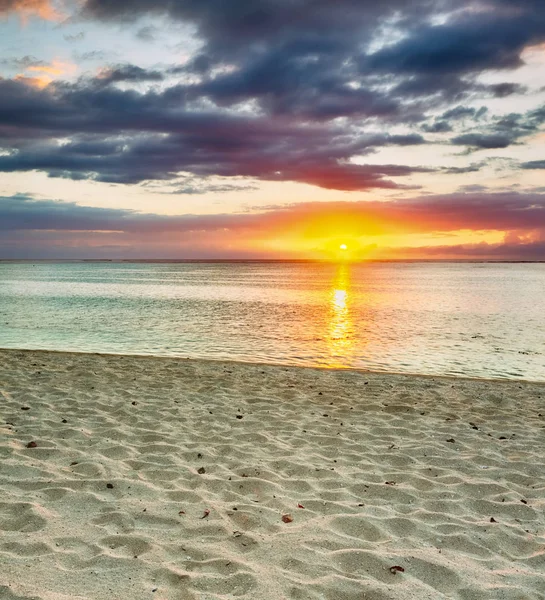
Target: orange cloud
{"type": "Point", "coordinates": [37, 82]}
{"type": "Point", "coordinates": [45, 74]}
{"type": "Point", "coordinates": [55, 68]}
{"type": "Point", "coordinates": [44, 9]}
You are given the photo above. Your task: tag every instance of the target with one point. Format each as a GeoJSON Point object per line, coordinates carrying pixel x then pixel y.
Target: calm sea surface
{"type": "Point", "coordinates": [479, 320]}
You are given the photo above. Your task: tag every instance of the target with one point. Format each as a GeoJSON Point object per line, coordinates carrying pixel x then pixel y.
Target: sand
{"type": "Point", "coordinates": [166, 479]}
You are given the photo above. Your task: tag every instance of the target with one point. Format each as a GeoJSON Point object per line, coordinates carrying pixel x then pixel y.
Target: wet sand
{"type": "Point", "coordinates": [152, 478]}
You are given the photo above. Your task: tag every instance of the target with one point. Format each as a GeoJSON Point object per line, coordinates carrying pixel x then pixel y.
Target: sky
{"type": "Point", "coordinates": [272, 129]}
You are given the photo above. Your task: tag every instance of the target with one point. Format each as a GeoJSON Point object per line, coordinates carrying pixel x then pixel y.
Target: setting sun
{"type": "Point", "coordinates": [343, 247]}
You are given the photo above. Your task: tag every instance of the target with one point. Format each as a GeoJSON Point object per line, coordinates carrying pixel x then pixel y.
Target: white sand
{"type": "Point", "coordinates": [327, 440]}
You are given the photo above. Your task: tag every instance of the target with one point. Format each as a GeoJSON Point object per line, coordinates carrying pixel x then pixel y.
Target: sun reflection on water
{"type": "Point", "coordinates": [340, 334]}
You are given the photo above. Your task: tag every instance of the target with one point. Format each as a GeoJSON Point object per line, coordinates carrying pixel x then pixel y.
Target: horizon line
{"type": "Point", "coordinates": [267, 260]}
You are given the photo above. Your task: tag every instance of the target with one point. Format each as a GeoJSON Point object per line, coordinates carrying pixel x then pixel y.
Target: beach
{"type": "Point", "coordinates": [165, 478]}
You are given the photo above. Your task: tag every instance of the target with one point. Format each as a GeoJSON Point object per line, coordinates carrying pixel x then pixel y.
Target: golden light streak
{"type": "Point", "coordinates": [340, 337]}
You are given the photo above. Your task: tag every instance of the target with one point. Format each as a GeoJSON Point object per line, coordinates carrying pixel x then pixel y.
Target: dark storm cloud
{"type": "Point", "coordinates": [470, 43]}
{"type": "Point", "coordinates": [309, 58]}
{"type": "Point", "coordinates": [307, 77]}
{"type": "Point", "coordinates": [123, 136]}
{"type": "Point", "coordinates": [229, 25]}
{"type": "Point", "coordinates": [280, 90]}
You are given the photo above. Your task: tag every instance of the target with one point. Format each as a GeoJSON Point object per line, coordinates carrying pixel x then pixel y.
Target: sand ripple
{"type": "Point", "coordinates": [168, 479]}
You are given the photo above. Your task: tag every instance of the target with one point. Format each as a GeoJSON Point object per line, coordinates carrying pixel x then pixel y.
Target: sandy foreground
{"type": "Point", "coordinates": [168, 479]}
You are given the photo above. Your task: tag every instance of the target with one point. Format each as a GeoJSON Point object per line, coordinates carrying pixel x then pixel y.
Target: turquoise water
{"type": "Point", "coordinates": [478, 320]}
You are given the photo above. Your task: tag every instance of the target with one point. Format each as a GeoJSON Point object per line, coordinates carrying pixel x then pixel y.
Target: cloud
{"type": "Point", "coordinates": [483, 141]}
{"type": "Point", "coordinates": [472, 168]}
{"type": "Point", "coordinates": [77, 37]}
{"type": "Point", "coordinates": [502, 131]}
{"type": "Point", "coordinates": [128, 72]}
{"type": "Point", "coordinates": [289, 90]}
{"type": "Point", "coordinates": [93, 55]}
{"type": "Point", "coordinates": [23, 62]}
{"type": "Point", "coordinates": [39, 73]}
{"type": "Point", "coordinates": [533, 164]}
{"type": "Point", "coordinates": [502, 90]}
{"type": "Point", "coordinates": [147, 33]}
{"type": "Point", "coordinates": [25, 8]}
{"type": "Point", "coordinates": [437, 126]}
{"type": "Point", "coordinates": [464, 112]}
{"type": "Point", "coordinates": [312, 58]}
{"type": "Point", "coordinates": [531, 250]}
{"type": "Point", "coordinates": [469, 43]}
{"type": "Point", "coordinates": [62, 229]}
{"type": "Point", "coordinates": [55, 69]}
{"type": "Point", "coordinates": [435, 213]}
{"type": "Point", "coordinates": [122, 136]}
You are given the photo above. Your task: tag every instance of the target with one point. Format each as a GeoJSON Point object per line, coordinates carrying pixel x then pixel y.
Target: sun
{"type": "Point", "coordinates": [343, 247]}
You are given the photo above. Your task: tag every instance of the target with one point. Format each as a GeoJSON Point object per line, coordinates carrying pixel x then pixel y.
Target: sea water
{"type": "Point", "coordinates": [470, 319]}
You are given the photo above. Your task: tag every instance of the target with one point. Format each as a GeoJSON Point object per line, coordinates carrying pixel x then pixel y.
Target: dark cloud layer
{"type": "Point", "coordinates": [282, 90]}
{"type": "Point", "coordinates": [128, 137]}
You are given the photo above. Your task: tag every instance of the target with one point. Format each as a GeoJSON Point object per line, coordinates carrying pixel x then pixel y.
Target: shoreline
{"type": "Point", "coordinates": [213, 361]}
{"type": "Point", "coordinates": [177, 479]}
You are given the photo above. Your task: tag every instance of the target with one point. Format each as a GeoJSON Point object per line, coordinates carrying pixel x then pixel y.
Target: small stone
{"type": "Point", "coordinates": [201, 471]}
{"type": "Point", "coordinates": [110, 486]}
{"type": "Point", "coordinates": [32, 445]}
{"type": "Point", "coordinates": [287, 518]}
{"type": "Point", "coordinates": [396, 569]}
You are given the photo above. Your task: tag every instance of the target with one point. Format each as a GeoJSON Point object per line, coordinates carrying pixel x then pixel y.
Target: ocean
{"type": "Point", "coordinates": [483, 320]}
